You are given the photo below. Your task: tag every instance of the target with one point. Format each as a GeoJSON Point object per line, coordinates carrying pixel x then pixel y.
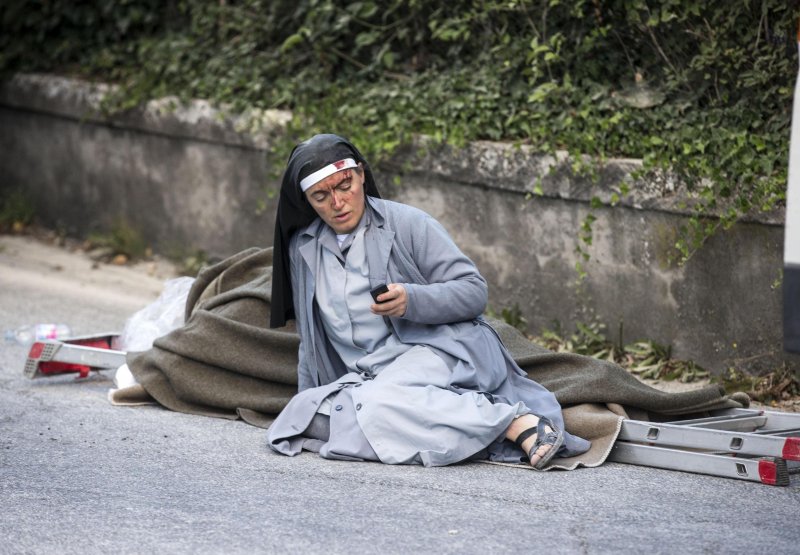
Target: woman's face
{"type": "Point", "coordinates": [339, 199]}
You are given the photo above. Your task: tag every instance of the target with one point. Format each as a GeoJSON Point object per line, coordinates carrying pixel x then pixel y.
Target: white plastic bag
{"type": "Point", "coordinates": [158, 318]}
{"type": "Point", "coordinates": [123, 377]}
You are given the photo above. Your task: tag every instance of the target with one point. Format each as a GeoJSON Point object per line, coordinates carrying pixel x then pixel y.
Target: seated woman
{"type": "Point", "coordinates": [413, 375]}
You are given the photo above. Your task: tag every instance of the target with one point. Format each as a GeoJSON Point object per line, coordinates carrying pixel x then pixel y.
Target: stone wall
{"type": "Point", "coordinates": [192, 177]}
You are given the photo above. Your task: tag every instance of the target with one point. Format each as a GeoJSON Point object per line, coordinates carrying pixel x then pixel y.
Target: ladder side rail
{"type": "Point", "coordinates": [708, 439]}
{"type": "Point", "coordinates": [781, 420]}
{"type": "Point", "coordinates": [749, 424]}
{"type": "Point", "coordinates": [767, 472]}
{"type": "Point", "coordinates": [89, 356]}
{"type": "Point", "coordinates": [708, 420]}
{"type": "Point", "coordinates": [107, 336]}
{"type": "Point", "coordinates": [715, 418]}
{"type": "Point", "coordinates": [775, 419]}
{"type": "Point", "coordinates": [779, 432]}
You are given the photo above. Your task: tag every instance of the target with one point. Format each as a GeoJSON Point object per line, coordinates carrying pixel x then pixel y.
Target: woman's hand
{"type": "Point", "coordinates": [392, 303]}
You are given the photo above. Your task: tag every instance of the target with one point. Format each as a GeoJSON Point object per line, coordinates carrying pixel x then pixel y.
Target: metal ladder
{"type": "Point", "coordinates": [746, 444]}
{"type": "Point", "coordinates": [78, 355]}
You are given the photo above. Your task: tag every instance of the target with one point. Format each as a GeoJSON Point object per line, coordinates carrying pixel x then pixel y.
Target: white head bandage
{"type": "Point", "coordinates": [314, 178]}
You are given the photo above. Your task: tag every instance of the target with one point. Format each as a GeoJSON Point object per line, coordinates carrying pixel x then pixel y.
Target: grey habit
{"type": "Point", "coordinates": [454, 388]}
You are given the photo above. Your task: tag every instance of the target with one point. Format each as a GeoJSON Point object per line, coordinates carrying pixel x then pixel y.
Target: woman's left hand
{"type": "Point", "coordinates": [392, 303]}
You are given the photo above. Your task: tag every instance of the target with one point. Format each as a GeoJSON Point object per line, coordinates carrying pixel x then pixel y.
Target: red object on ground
{"type": "Point", "coordinates": [64, 368]}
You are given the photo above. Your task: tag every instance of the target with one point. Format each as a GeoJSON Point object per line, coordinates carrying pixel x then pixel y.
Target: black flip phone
{"type": "Point", "coordinates": [379, 290]}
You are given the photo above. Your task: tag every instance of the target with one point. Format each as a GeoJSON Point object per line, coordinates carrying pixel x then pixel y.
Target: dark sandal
{"type": "Point", "coordinates": [555, 439]}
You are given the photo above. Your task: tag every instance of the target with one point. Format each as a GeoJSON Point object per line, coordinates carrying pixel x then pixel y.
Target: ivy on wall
{"type": "Point", "coordinates": [702, 88]}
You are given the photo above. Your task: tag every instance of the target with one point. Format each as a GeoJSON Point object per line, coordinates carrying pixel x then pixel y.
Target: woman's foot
{"type": "Point", "coordinates": [525, 432]}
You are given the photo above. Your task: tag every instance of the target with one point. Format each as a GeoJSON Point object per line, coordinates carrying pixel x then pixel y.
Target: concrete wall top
{"type": "Point", "coordinates": [493, 165]}
{"type": "Point", "coordinates": [521, 169]}
{"type": "Point", "coordinates": [196, 120]}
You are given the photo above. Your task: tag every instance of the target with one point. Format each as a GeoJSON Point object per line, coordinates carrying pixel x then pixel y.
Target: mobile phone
{"type": "Point", "coordinates": [379, 290]}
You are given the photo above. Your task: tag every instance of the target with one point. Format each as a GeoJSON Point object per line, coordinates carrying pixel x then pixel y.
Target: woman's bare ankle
{"type": "Point", "coordinates": [519, 425]}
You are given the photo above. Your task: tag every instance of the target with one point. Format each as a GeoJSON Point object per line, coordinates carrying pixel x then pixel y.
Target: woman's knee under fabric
{"type": "Point", "coordinates": [320, 427]}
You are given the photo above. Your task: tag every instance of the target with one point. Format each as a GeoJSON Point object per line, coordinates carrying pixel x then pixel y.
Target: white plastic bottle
{"type": "Point", "coordinates": [25, 335]}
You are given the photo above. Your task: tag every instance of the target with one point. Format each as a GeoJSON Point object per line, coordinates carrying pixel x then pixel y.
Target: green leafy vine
{"type": "Point", "coordinates": [701, 89]}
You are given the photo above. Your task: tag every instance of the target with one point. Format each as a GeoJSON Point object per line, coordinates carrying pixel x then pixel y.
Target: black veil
{"type": "Point", "coordinates": [294, 211]}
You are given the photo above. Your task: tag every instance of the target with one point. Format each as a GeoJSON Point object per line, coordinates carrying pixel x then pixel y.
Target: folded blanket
{"type": "Point", "coordinates": [226, 362]}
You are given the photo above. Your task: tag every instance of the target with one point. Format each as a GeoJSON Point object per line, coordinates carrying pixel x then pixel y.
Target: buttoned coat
{"type": "Point", "coordinates": [446, 297]}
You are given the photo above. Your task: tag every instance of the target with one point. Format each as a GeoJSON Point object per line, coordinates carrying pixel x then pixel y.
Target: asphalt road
{"type": "Point", "coordinates": [78, 475]}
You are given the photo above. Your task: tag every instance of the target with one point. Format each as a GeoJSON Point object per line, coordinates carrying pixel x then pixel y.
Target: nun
{"type": "Point", "coordinates": [396, 363]}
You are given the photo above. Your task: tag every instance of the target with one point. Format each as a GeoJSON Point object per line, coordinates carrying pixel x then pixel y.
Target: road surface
{"type": "Point", "coordinates": [78, 475]}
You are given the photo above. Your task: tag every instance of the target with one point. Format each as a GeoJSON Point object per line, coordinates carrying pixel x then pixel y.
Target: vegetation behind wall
{"type": "Point", "coordinates": [703, 88]}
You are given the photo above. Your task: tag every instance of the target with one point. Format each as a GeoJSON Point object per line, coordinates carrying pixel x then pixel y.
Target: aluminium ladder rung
{"type": "Point", "coordinates": [706, 439]}
{"type": "Point", "coordinates": [771, 472]}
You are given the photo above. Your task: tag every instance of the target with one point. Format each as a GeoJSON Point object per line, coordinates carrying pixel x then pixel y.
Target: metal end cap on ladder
{"type": "Point", "coordinates": [773, 473]}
